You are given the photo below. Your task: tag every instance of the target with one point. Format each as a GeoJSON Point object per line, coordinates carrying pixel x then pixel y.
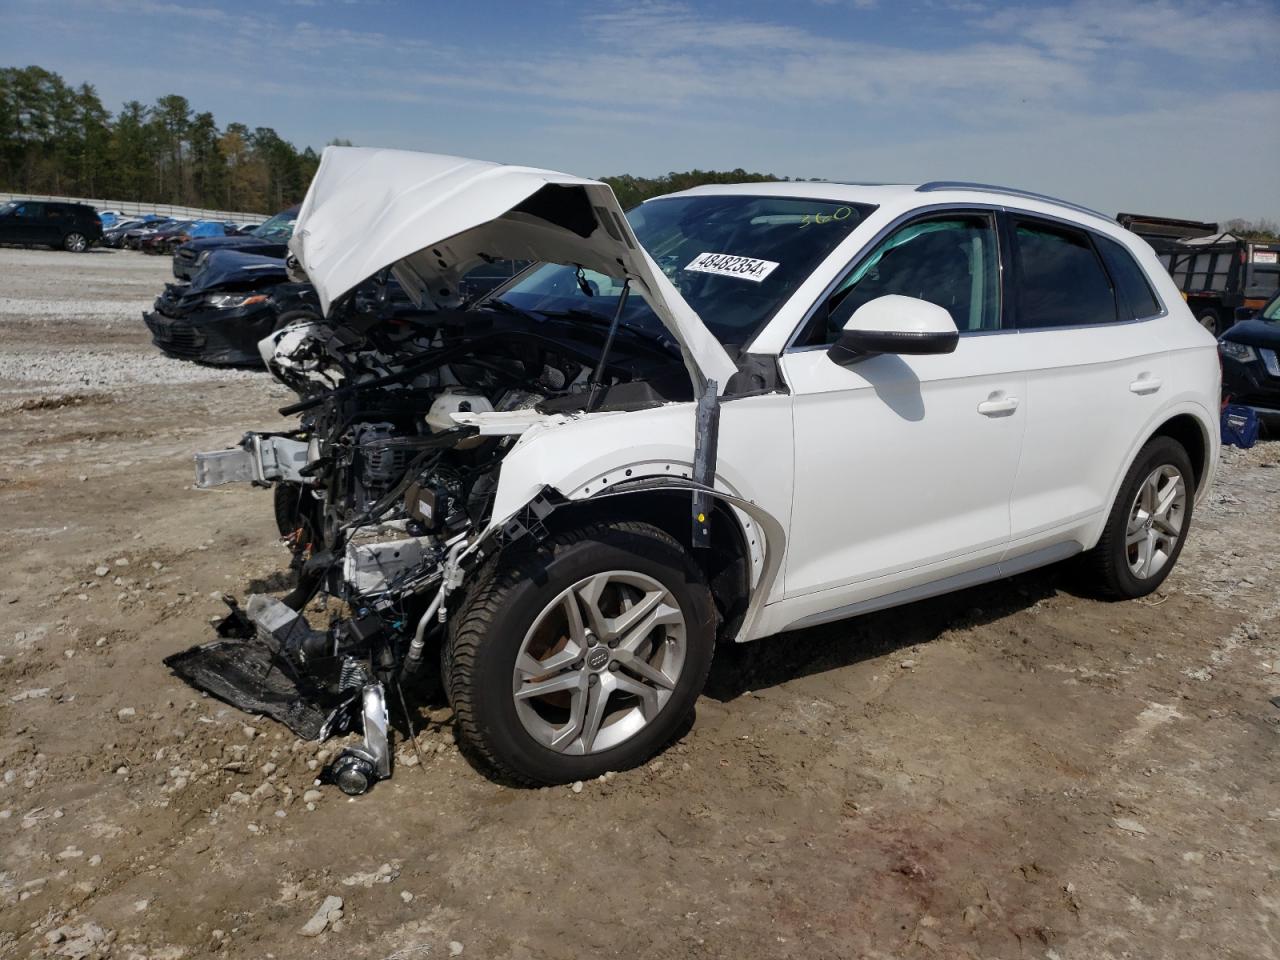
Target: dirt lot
{"type": "Point", "coordinates": [1014, 771]}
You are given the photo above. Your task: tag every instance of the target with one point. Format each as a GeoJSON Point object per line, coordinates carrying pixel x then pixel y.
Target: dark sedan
{"type": "Point", "coordinates": [270, 239]}
{"type": "Point", "coordinates": [1250, 352]}
{"type": "Point", "coordinates": [235, 301]}
{"type": "Point", "coordinates": [134, 238]}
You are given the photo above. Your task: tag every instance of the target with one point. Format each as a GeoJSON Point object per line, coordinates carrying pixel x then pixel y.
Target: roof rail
{"type": "Point", "coordinates": [935, 185]}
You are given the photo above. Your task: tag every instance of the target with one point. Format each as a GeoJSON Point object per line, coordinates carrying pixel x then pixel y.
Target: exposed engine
{"type": "Point", "coordinates": [381, 489]}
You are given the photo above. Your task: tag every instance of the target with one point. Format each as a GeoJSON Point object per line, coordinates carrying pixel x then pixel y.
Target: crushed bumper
{"type": "Point", "coordinates": [269, 661]}
{"type": "Point", "coordinates": [229, 338]}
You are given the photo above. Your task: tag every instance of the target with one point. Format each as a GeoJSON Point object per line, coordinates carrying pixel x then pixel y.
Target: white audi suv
{"type": "Point", "coordinates": [728, 412]}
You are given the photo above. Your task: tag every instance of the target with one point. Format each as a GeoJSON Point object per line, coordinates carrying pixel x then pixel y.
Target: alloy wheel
{"type": "Point", "coordinates": [1156, 519]}
{"type": "Point", "coordinates": [600, 662]}
{"type": "Point", "coordinates": [75, 242]}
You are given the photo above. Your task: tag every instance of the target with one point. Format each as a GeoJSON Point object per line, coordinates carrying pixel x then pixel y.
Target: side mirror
{"type": "Point", "coordinates": [895, 324]}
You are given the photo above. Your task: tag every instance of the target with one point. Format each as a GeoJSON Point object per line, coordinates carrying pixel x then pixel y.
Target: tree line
{"type": "Point", "coordinates": [58, 139]}
{"type": "Point", "coordinates": [1262, 231]}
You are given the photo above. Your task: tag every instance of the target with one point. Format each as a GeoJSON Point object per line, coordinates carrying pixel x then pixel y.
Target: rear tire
{"type": "Point", "coordinates": [1209, 320]}
{"type": "Point", "coordinates": [620, 689]}
{"type": "Point", "coordinates": [1148, 524]}
{"type": "Point", "coordinates": [75, 242]}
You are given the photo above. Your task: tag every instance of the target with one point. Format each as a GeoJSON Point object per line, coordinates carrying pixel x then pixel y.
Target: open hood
{"type": "Point", "coordinates": [432, 218]}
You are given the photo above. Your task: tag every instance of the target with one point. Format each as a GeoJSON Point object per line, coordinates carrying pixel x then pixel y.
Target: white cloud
{"type": "Point", "coordinates": [1225, 33]}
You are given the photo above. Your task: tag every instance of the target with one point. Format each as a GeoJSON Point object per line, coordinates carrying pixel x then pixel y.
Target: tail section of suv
{"type": "Point", "coordinates": [44, 223]}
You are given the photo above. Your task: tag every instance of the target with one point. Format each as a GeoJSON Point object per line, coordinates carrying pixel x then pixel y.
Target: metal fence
{"type": "Point", "coordinates": [132, 209]}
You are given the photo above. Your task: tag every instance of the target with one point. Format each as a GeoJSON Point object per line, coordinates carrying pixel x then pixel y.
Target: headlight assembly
{"type": "Point", "coordinates": [1237, 351]}
{"type": "Point", "coordinates": [229, 301]}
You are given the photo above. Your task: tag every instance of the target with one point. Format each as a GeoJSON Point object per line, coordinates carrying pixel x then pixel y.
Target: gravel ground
{"type": "Point", "coordinates": [1011, 771]}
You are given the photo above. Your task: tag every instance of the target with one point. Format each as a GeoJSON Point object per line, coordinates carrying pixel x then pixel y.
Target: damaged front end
{"type": "Point", "coordinates": [220, 316]}
{"type": "Point", "coordinates": [386, 491]}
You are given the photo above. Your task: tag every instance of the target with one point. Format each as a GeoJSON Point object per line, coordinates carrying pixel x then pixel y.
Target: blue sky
{"type": "Point", "coordinates": [1155, 106]}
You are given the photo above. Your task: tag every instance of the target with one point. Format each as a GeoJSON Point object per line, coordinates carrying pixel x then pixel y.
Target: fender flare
{"type": "Point", "coordinates": [773, 536]}
{"type": "Point", "coordinates": [1153, 426]}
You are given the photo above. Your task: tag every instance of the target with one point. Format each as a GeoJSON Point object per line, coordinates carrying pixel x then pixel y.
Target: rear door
{"type": "Point", "coordinates": [56, 223]}
{"type": "Point", "coordinates": [1095, 373]}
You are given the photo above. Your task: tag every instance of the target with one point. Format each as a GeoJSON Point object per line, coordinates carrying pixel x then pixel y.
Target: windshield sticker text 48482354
{"type": "Point", "coordinates": [727, 265]}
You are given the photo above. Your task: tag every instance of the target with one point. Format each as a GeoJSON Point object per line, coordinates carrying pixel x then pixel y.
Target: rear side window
{"type": "Point", "coordinates": [1137, 297]}
{"type": "Point", "coordinates": [1060, 280]}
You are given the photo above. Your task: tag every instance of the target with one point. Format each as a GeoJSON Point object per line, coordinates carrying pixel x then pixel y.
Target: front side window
{"type": "Point", "coordinates": [952, 261]}
{"type": "Point", "coordinates": [734, 258]}
{"type": "Point", "coordinates": [1135, 289]}
{"type": "Point", "coordinates": [1060, 280]}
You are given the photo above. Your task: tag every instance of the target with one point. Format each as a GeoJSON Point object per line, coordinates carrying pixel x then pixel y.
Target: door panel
{"type": "Point", "coordinates": [896, 468]}
{"type": "Point", "coordinates": [904, 464]}
{"type": "Point", "coordinates": [1090, 391]}
{"type": "Point", "coordinates": [22, 226]}
{"type": "Point", "coordinates": [1095, 377]}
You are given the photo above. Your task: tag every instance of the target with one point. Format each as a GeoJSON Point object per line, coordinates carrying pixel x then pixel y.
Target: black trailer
{"type": "Point", "coordinates": [1217, 272]}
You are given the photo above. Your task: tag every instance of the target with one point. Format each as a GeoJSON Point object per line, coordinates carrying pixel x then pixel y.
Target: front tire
{"type": "Point", "coordinates": [1148, 524]}
{"type": "Point", "coordinates": [582, 657]}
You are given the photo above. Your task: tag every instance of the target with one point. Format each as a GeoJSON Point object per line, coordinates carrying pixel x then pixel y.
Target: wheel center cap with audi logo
{"type": "Point", "coordinates": [598, 658]}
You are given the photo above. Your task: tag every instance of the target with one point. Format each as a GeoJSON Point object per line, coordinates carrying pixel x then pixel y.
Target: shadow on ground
{"type": "Point", "coordinates": [774, 660]}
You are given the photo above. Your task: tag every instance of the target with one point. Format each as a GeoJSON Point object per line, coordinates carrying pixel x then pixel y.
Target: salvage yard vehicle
{"type": "Point", "coordinates": [133, 238]}
{"type": "Point", "coordinates": [1250, 353]}
{"type": "Point", "coordinates": [167, 240]}
{"type": "Point", "coordinates": [733, 411]}
{"type": "Point", "coordinates": [1219, 273]}
{"type": "Point", "coordinates": [66, 226]}
{"type": "Point", "coordinates": [235, 301]}
{"type": "Point", "coordinates": [270, 239]}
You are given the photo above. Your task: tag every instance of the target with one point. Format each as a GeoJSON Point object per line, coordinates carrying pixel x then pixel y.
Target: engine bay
{"type": "Point", "coordinates": [382, 490]}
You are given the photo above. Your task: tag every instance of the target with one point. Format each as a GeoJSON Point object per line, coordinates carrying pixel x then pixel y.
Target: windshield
{"type": "Point", "coordinates": [1271, 311]}
{"type": "Point", "coordinates": [8, 207]}
{"type": "Point", "coordinates": [279, 227]}
{"type": "Point", "coordinates": [735, 259]}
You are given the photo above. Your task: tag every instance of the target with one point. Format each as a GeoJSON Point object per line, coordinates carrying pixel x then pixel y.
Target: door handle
{"type": "Point", "coordinates": [997, 405]}
{"type": "Point", "coordinates": [1145, 384]}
